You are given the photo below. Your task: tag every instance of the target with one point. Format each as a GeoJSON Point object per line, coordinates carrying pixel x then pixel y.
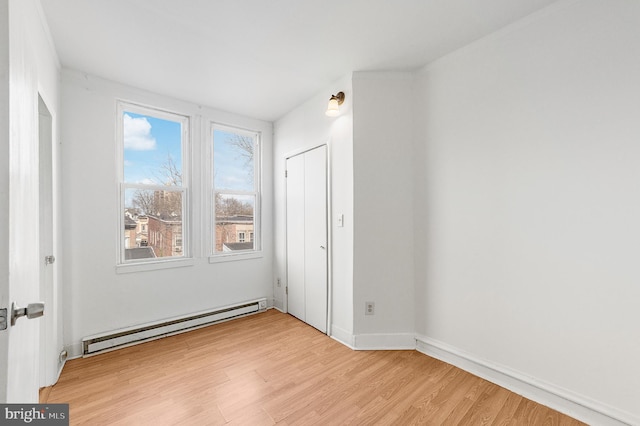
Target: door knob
{"type": "Point", "coordinates": [33, 310]}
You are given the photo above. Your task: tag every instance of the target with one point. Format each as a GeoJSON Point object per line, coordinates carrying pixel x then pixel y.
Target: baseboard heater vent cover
{"type": "Point", "coordinates": [117, 339]}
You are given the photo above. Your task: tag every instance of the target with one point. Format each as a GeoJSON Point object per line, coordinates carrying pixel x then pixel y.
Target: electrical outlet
{"type": "Point", "coordinates": [369, 308]}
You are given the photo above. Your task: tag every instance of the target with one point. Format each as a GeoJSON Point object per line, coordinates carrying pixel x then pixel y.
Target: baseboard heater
{"type": "Point", "coordinates": [104, 342]}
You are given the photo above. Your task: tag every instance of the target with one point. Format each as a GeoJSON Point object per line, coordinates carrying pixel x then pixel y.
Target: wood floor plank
{"type": "Point", "coordinates": [505, 417]}
{"type": "Point", "coordinates": [272, 369]}
{"type": "Point", "coordinates": [447, 396]}
{"type": "Point", "coordinates": [487, 406]}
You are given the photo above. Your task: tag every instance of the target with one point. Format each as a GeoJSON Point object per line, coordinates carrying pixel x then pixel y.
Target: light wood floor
{"type": "Point", "coordinates": [271, 368]}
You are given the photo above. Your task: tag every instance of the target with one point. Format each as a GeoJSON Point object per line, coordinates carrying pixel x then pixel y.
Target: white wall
{"type": "Point", "coordinates": [97, 298]}
{"type": "Point", "coordinates": [383, 270]}
{"type": "Point", "coordinates": [527, 206]}
{"type": "Point", "coordinates": [33, 70]}
{"type": "Point", "coordinates": [305, 127]}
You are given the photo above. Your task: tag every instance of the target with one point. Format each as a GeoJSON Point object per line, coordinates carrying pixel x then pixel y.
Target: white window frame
{"type": "Point", "coordinates": [185, 259]}
{"type": "Point", "coordinates": [256, 193]}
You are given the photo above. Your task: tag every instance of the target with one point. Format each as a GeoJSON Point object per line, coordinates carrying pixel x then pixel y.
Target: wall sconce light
{"type": "Point", "coordinates": [335, 101]}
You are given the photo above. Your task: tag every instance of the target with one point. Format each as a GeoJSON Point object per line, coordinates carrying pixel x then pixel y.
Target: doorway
{"type": "Point", "coordinates": [307, 237]}
{"type": "Point", "coordinates": [49, 323]}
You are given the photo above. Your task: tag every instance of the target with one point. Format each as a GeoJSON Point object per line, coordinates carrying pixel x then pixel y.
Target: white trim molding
{"type": "Point", "coordinates": [385, 341]}
{"type": "Point", "coordinates": [374, 341]}
{"type": "Point", "coordinates": [343, 336]}
{"type": "Point", "coordinates": [562, 400]}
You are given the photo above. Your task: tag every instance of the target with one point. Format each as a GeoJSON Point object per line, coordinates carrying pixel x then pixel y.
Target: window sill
{"type": "Point", "coordinates": [235, 257]}
{"type": "Point", "coordinates": [154, 266]}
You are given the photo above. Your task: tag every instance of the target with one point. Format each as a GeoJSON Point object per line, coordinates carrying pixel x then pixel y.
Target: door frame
{"type": "Point", "coordinates": [51, 323]}
{"type": "Point", "coordinates": [285, 302]}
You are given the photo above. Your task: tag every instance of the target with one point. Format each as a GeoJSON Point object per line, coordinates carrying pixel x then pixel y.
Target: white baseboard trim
{"type": "Point", "coordinates": [343, 336]}
{"type": "Point", "coordinates": [567, 402]}
{"type": "Point", "coordinates": [277, 303]}
{"type": "Point", "coordinates": [385, 341]}
{"type": "Point", "coordinates": [74, 351]}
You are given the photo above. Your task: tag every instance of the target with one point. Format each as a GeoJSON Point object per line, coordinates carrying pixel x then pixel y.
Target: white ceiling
{"type": "Point", "coordinates": [261, 58]}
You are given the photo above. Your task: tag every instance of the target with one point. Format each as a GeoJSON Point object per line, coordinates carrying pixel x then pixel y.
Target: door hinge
{"type": "Point", "coordinates": [3, 319]}
{"type": "Point", "coordinates": [286, 290]}
{"type": "Point", "coordinates": [286, 173]}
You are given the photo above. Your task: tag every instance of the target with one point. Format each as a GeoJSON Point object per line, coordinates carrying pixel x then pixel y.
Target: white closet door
{"type": "Point", "coordinates": [316, 238]}
{"type": "Point", "coordinates": [307, 237]}
{"type": "Point", "coordinates": [295, 237]}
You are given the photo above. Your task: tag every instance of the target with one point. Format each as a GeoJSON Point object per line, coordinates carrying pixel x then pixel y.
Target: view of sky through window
{"type": "Point", "coordinates": [233, 163]}
{"type": "Point", "coordinates": [150, 144]}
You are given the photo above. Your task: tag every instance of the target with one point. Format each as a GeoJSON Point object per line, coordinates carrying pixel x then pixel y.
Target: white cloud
{"type": "Point", "coordinates": [137, 134]}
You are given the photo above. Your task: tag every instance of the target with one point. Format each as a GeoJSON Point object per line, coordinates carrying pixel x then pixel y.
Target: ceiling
{"type": "Point", "coordinates": [262, 58]}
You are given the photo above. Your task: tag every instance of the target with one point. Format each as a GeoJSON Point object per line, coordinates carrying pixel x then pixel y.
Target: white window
{"type": "Point", "coordinates": [153, 179]}
{"type": "Point", "coordinates": [236, 183]}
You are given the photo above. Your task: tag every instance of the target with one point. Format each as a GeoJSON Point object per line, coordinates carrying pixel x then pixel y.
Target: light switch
{"type": "Point", "coordinates": [340, 220]}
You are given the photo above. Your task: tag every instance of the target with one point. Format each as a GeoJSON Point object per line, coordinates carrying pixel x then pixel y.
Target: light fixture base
{"type": "Point", "coordinates": [339, 97]}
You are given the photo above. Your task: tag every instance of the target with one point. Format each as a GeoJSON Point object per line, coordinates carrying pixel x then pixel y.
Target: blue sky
{"type": "Point", "coordinates": [229, 166]}
{"type": "Point", "coordinates": [149, 141]}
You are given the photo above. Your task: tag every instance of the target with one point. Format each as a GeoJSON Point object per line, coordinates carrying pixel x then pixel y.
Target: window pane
{"type": "Point", "coordinates": [152, 150]}
{"type": "Point", "coordinates": [152, 224]}
{"type": "Point", "coordinates": [233, 160]}
{"type": "Point", "coordinates": [234, 220]}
